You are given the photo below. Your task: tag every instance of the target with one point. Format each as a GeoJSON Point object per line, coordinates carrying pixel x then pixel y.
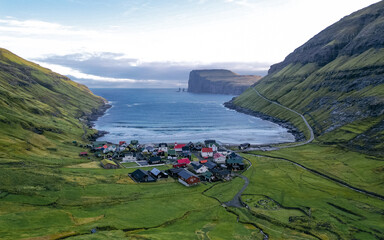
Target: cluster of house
{"type": "Point", "coordinates": [212, 161]}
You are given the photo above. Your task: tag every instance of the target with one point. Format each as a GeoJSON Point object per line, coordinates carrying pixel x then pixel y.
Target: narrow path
{"type": "Point", "coordinates": [236, 202]}
{"type": "Point", "coordinates": [311, 137]}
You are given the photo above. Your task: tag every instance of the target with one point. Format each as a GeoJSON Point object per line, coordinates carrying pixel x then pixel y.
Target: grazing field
{"type": "Point", "coordinates": [287, 201]}
{"type": "Point", "coordinates": [68, 197]}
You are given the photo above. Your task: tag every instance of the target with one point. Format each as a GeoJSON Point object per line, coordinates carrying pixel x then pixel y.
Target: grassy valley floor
{"type": "Point", "coordinates": [285, 201]}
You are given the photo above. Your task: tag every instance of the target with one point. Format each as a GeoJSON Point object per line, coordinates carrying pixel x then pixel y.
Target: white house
{"type": "Point", "coordinates": [206, 152]}
{"type": "Point", "coordinates": [213, 146]}
{"type": "Point", "coordinates": [199, 168]}
{"type": "Point", "coordinates": [219, 158]}
{"type": "Point", "coordinates": [129, 157]}
{"type": "Point", "coordinates": [163, 147]}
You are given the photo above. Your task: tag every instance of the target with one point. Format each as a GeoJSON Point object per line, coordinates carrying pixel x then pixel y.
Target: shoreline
{"type": "Point", "coordinates": [89, 120]}
{"type": "Point", "coordinates": [299, 136]}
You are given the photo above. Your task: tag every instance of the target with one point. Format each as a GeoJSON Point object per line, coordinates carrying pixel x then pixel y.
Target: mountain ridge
{"type": "Point", "coordinates": [335, 80]}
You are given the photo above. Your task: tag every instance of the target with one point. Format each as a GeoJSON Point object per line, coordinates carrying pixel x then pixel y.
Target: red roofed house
{"type": "Point", "coordinates": [179, 147]}
{"type": "Point", "coordinates": [206, 152]}
{"type": "Point", "coordinates": [219, 158]}
{"type": "Point", "coordinates": [182, 163]}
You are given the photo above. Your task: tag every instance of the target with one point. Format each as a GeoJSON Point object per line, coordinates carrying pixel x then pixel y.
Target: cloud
{"type": "Point", "coordinates": [117, 68]}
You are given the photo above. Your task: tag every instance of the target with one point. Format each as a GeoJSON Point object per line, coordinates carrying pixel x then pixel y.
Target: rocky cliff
{"type": "Point", "coordinates": [219, 81]}
{"type": "Point", "coordinates": [336, 80]}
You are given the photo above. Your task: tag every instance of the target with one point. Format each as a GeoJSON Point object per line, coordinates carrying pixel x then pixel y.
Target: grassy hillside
{"type": "Point", "coordinates": [335, 81]}
{"type": "Point", "coordinates": [39, 109]}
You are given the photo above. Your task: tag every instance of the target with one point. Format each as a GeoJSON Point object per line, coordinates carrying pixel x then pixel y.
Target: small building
{"type": "Point", "coordinates": [130, 157]}
{"type": "Point", "coordinates": [181, 163]}
{"type": "Point", "coordinates": [222, 151]}
{"type": "Point", "coordinates": [214, 146]}
{"type": "Point", "coordinates": [210, 141]}
{"type": "Point", "coordinates": [171, 152]}
{"type": "Point", "coordinates": [207, 176]}
{"type": "Point", "coordinates": [210, 165]}
{"type": "Point", "coordinates": [187, 178]}
{"type": "Point", "coordinates": [221, 174]}
{"type": "Point", "coordinates": [135, 142]}
{"type": "Point", "coordinates": [157, 174]}
{"type": "Point", "coordinates": [186, 151]}
{"type": "Point", "coordinates": [154, 160]}
{"type": "Point", "coordinates": [108, 164]}
{"type": "Point", "coordinates": [206, 152]}
{"type": "Point", "coordinates": [244, 146]}
{"type": "Point", "coordinates": [179, 147]}
{"type": "Point", "coordinates": [235, 163]}
{"type": "Point", "coordinates": [219, 158]}
{"type": "Point", "coordinates": [140, 175]}
{"type": "Point", "coordinates": [83, 154]}
{"type": "Point", "coordinates": [173, 172]}
{"type": "Point", "coordinates": [140, 157]}
{"type": "Point", "coordinates": [122, 143]}
{"type": "Point", "coordinates": [199, 168]}
{"type": "Point", "coordinates": [163, 147]}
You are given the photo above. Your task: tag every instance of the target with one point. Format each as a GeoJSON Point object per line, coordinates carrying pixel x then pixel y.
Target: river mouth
{"type": "Point", "coordinates": [165, 115]}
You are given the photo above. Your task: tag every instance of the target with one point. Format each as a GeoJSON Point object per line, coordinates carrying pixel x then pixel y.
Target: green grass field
{"type": "Point", "coordinates": [287, 202]}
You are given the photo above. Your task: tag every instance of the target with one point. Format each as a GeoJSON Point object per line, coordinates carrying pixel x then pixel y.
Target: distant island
{"type": "Point", "coordinates": [219, 81]}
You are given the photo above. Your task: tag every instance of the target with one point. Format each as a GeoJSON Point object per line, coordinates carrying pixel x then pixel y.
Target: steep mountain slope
{"type": "Point", "coordinates": [39, 109]}
{"type": "Point", "coordinates": [219, 81]}
{"type": "Point", "coordinates": [336, 80]}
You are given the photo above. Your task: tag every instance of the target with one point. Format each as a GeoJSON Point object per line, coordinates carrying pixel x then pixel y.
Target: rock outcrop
{"type": "Point", "coordinates": [219, 81]}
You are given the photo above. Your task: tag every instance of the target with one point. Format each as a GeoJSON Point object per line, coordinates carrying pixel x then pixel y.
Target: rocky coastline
{"type": "Point", "coordinates": [299, 136]}
{"type": "Point", "coordinates": [89, 119]}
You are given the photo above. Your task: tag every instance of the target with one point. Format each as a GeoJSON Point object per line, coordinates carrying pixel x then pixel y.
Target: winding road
{"type": "Point", "coordinates": [236, 201]}
{"type": "Point", "coordinates": [311, 137]}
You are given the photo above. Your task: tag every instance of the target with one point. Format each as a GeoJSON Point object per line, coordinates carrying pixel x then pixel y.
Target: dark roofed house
{"type": "Point", "coordinates": [142, 176]}
{"type": "Point", "coordinates": [173, 172]}
{"type": "Point", "coordinates": [221, 174]}
{"type": "Point", "coordinates": [210, 141]}
{"type": "Point", "coordinates": [134, 142]}
{"type": "Point", "coordinates": [156, 173]}
{"type": "Point", "coordinates": [198, 167]}
{"type": "Point", "coordinates": [210, 165]}
{"type": "Point", "coordinates": [235, 163]}
{"type": "Point", "coordinates": [154, 160]}
{"type": "Point", "coordinates": [108, 164]}
{"type": "Point", "coordinates": [171, 152]}
{"type": "Point", "coordinates": [207, 176]}
{"type": "Point", "coordinates": [187, 178]}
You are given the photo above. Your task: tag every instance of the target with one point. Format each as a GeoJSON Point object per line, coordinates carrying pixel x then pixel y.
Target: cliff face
{"type": "Point", "coordinates": [336, 80]}
{"type": "Point", "coordinates": [219, 81]}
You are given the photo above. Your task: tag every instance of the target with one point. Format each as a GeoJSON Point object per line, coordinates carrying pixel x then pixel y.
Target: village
{"type": "Point", "coordinates": [192, 163]}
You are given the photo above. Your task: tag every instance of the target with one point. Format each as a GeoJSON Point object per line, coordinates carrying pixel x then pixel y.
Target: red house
{"type": "Point", "coordinates": [187, 178]}
{"type": "Point", "coordinates": [179, 147]}
{"type": "Point", "coordinates": [83, 154]}
{"type": "Point", "coordinates": [206, 152]}
{"type": "Point", "coordinates": [182, 163]}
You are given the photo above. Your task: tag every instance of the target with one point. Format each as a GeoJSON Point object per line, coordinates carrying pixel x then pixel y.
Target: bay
{"type": "Point", "coordinates": [165, 115]}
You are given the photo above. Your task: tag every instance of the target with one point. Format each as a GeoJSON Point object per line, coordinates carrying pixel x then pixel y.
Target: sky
{"type": "Point", "coordinates": [156, 43]}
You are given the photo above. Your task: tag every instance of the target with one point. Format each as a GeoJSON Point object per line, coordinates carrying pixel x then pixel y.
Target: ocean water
{"type": "Point", "coordinates": [165, 115]}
